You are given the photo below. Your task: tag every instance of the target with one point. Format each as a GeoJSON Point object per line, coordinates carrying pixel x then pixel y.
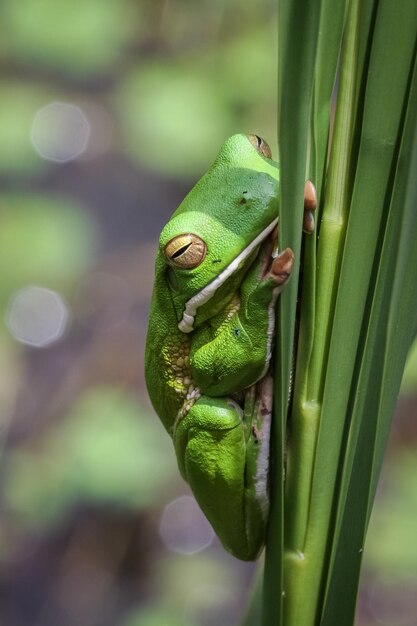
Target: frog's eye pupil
{"type": "Point", "coordinates": [180, 251]}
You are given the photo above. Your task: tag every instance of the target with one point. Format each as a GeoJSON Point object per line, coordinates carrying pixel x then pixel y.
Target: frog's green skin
{"type": "Point", "coordinates": [209, 342]}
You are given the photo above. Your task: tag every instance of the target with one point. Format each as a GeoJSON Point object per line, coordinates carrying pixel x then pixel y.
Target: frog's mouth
{"type": "Point", "coordinates": [203, 296]}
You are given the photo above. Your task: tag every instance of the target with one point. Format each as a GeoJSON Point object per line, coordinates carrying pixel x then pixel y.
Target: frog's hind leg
{"type": "Point", "coordinates": [223, 453]}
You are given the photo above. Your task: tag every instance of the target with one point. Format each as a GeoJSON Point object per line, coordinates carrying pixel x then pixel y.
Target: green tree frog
{"type": "Point", "coordinates": [209, 343]}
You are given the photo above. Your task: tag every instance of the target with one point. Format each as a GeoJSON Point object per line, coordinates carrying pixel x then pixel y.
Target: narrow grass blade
{"type": "Point", "coordinates": [372, 184]}
{"type": "Point", "coordinates": [332, 18]}
{"type": "Point", "coordinates": [298, 33]}
{"type": "Point", "coordinates": [317, 307]}
{"type": "Point", "coordinates": [390, 332]}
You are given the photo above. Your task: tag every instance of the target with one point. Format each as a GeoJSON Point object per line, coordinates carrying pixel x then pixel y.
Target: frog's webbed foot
{"type": "Point", "coordinates": [310, 205]}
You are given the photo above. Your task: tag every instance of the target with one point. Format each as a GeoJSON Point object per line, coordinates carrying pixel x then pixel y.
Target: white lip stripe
{"type": "Point", "coordinates": [203, 296]}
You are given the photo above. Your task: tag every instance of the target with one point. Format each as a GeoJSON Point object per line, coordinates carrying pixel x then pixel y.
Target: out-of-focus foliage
{"type": "Point", "coordinates": [86, 468]}
{"type": "Point", "coordinates": [44, 239]}
{"type": "Point", "coordinates": [389, 575]}
{"type": "Point", "coordinates": [19, 101]}
{"type": "Point", "coordinates": [77, 36]}
{"type": "Point", "coordinates": [184, 75]}
{"type": "Point", "coordinates": [162, 107]}
{"type": "Point", "coordinates": [182, 111]}
{"type": "Point", "coordinates": [394, 519]}
{"type": "Point", "coordinates": [213, 600]}
{"type": "Point", "coordinates": [106, 451]}
{"type": "Point", "coordinates": [93, 92]}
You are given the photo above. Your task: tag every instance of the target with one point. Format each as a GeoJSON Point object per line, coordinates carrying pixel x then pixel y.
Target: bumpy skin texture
{"type": "Point", "coordinates": [208, 380]}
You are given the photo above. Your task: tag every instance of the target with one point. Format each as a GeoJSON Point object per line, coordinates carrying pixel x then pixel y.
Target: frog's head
{"type": "Point", "coordinates": [213, 236]}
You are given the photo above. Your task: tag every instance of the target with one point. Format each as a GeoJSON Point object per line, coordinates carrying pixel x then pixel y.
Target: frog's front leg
{"type": "Point", "coordinates": [233, 351]}
{"type": "Point", "coordinates": [259, 293]}
{"type": "Point", "coordinates": [223, 453]}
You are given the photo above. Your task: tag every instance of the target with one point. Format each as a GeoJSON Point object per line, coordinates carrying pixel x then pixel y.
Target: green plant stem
{"type": "Point", "coordinates": [355, 322]}
{"type": "Point", "coordinates": [386, 81]}
{"type": "Point", "coordinates": [392, 323]}
{"type": "Point", "coordinates": [332, 19]}
{"type": "Point", "coordinates": [309, 387]}
{"type": "Point", "coordinates": [298, 29]}
{"type": "Point", "coordinates": [311, 366]}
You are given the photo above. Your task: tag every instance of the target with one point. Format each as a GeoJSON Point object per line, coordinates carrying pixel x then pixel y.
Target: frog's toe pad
{"type": "Point", "coordinates": [282, 265]}
{"type": "Point", "coordinates": [310, 205]}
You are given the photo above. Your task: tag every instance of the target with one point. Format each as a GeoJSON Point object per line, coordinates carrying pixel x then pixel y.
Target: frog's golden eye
{"type": "Point", "coordinates": [260, 145]}
{"type": "Point", "coordinates": [185, 251]}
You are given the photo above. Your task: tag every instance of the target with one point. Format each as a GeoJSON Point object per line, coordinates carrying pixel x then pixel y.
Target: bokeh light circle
{"type": "Point", "coordinates": [184, 528]}
{"type": "Point", "coordinates": [37, 316]}
{"type": "Point", "coordinates": [60, 131]}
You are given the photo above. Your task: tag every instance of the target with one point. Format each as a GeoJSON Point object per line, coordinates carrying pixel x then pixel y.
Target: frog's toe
{"type": "Point", "coordinates": [282, 265]}
{"type": "Point", "coordinates": [310, 205]}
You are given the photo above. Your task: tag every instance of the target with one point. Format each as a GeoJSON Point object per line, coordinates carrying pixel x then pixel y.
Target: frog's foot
{"type": "Point", "coordinates": [310, 205]}
{"type": "Point", "coordinates": [281, 266]}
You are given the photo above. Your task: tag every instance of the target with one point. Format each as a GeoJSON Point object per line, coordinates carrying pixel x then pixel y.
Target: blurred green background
{"type": "Point", "coordinates": [109, 111]}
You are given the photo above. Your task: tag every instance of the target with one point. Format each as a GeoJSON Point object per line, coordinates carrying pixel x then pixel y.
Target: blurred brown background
{"type": "Point", "coordinates": [109, 111]}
